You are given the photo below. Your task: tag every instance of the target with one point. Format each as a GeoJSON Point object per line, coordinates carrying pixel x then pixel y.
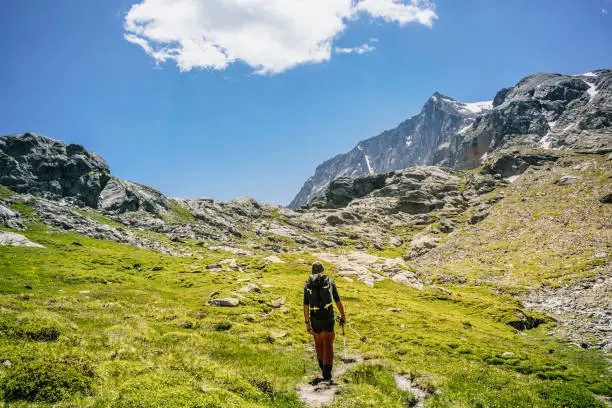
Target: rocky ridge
{"type": "Point", "coordinates": [542, 111]}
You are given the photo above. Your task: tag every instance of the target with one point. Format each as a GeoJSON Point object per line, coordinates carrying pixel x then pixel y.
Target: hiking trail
{"type": "Point", "coordinates": [322, 394]}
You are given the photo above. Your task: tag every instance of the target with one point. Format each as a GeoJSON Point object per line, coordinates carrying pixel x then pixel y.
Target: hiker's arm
{"type": "Point", "coordinates": [340, 307]}
{"type": "Point", "coordinates": [307, 318]}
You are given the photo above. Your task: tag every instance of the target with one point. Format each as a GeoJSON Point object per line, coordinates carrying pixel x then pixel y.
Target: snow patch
{"type": "Point", "coordinates": [586, 74]}
{"type": "Point", "coordinates": [475, 107]}
{"type": "Point", "coordinates": [444, 145]}
{"type": "Point", "coordinates": [484, 157]}
{"type": "Point", "coordinates": [592, 91]}
{"type": "Point", "coordinates": [367, 159]}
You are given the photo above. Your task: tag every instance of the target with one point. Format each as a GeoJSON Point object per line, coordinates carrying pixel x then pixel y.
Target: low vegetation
{"type": "Point", "coordinates": [104, 324]}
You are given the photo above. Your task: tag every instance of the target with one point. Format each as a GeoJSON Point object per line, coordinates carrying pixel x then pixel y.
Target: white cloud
{"type": "Point", "coordinates": [604, 11]}
{"type": "Point", "coordinates": [362, 49]}
{"type": "Point", "coordinates": [268, 35]}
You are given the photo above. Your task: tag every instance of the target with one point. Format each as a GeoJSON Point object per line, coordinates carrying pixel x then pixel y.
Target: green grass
{"type": "Point", "coordinates": [129, 334]}
{"type": "Point", "coordinates": [178, 214]}
{"type": "Point", "coordinates": [5, 192]}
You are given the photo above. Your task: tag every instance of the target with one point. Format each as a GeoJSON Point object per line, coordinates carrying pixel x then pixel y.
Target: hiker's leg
{"type": "Point", "coordinates": [328, 354]}
{"type": "Point", "coordinates": [319, 346]}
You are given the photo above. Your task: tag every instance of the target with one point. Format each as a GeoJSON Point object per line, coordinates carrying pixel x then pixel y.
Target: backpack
{"type": "Point", "coordinates": [320, 298]}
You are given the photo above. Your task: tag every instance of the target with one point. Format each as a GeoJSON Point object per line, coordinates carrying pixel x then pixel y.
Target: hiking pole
{"type": "Point", "coordinates": [362, 338]}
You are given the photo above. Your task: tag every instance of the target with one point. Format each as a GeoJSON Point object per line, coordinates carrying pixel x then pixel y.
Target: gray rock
{"type": "Point", "coordinates": [446, 226]}
{"type": "Point", "coordinates": [224, 302]}
{"type": "Point", "coordinates": [10, 218]}
{"type": "Point", "coordinates": [567, 180]}
{"type": "Point", "coordinates": [251, 288]}
{"type": "Point", "coordinates": [119, 196]}
{"type": "Point", "coordinates": [37, 165]}
{"type": "Point", "coordinates": [507, 354]}
{"type": "Point", "coordinates": [13, 239]}
{"type": "Point", "coordinates": [606, 198]}
{"type": "Point", "coordinates": [420, 245]}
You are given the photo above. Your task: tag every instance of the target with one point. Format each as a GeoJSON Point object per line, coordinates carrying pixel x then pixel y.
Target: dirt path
{"type": "Point", "coordinates": [322, 394]}
{"type": "Point", "coordinates": [404, 383]}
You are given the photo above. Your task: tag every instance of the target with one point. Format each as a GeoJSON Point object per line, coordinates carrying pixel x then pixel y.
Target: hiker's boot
{"type": "Point", "coordinates": [327, 372]}
{"type": "Point", "coordinates": [321, 364]}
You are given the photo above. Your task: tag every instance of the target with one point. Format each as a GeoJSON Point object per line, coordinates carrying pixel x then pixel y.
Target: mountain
{"type": "Point", "coordinates": [542, 110]}
{"type": "Point", "coordinates": [422, 139]}
{"type": "Point", "coordinates": [489, 286]}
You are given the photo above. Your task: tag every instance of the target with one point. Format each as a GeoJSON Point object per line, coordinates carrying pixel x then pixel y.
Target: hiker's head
{"type": "Point", "coordinates": [317, 267]}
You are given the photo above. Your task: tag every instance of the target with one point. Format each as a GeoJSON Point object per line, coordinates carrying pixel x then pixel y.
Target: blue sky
{"type": "Point", "coordinates": [206, 124]}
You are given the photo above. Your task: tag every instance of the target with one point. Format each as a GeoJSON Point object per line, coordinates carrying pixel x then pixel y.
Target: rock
{"type": "Point", "coordinates": [476, 218]}
{"type": "Point", "coordinates": [76, 243]}
{"type": "Point", "coordinates": [394, 309]}
{"type": "Point", "coordinates": [186, 325]}
{"type": "Point", "coordinates": [606, 198]}
{"type": "Point", "coordinates": [6, 363]}
{"type": "Point", "coordinates": [213, 293]}
{"type": "Point", "coordinates": [267, 286]}
{"type": "Point", "coordinates": [37, 165]}
{"type": "Point", "coordinates": [513, 163]}
{"type": "Point", "coordinates": [567, 180]}
{"type": "Point", "coordinates": [119, 196]}
{"type": "Point", "coordinates": [13, 239]}
{"type": "Point", "coordinates": [10, 218]}
{"type": "Point", "coordinates": [214, 267]}
{"type": "Point", "coordinates": [420, 245]}
{"type": "Point", "coordinates": [250, 288]}
{"type": "Point", "coordinates": [274, 259]}
{"type": "Point", "coordinates": [507, 354]}
{"type": "Point", "coordinates": [157, 268]}
{"type": "Point", "coordinates": [224, 302]}
{"type": "Point", "coordinates": [177, 240]}
{"type": "Point", "coordinates": [446, 226]}
{"type": "Point", "coordinates": [84, 292]}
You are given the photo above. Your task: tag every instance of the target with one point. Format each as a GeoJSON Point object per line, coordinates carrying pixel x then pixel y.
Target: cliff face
{"type": "Point", "coordinates": [541, 111]}
{"type": "Point", "coordinates": [423, 139]}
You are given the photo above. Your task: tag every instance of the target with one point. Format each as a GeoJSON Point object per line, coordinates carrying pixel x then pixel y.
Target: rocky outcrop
{"type": "Point", "coordinates": [38, 165]}
{"type": "Point", "coordinates": [10, 218]}
{"type": "Point", "coordinates": [542, 111]}
{"type": "Point", "coordinates": [119, 196]}
{"type": "Point", "coordinates": [12, 239]}
{"type": "Point", "coordinates": [421, 140]}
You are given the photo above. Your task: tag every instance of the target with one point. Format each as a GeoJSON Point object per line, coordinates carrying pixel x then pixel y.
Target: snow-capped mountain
{"type": "Point", "coordinates": [542, 111]}
{"type": "Point", "coordinates": [423, 139]}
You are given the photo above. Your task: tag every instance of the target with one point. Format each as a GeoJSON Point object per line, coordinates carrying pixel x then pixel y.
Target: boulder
{"type": "Point", "coordinates": [120, 196]}
{"type": "Point", "coordinates": [420, 245]}
{"type": "Point", "coordinates": [224, 302]}
{"type": "Point", "coordinates": [12, 239]}
{"type": "Point", "coordinates": [10, 218]}
{"type": "Point", "coordinates": [41, 166]}
{"type": "Point", "coordinates": [567, 180]}
{"type": "Point", "coordinates": [251, 288]}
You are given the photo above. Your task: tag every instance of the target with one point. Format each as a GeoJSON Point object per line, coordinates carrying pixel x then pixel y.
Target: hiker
{"type": "Point", "coordinates": [319, 294]}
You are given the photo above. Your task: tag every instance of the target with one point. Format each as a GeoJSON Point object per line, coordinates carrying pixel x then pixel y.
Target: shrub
{"type": "Point", "coordinates": [568, 395]}
{"type": "Point", "coordinates": [47, 380]}
{"type": "Point", "coordinates": [38, 328]}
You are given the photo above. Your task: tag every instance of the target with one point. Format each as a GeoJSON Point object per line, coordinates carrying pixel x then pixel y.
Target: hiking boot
{"type": "Point", "coordinates": [327, 372]}
{"type": "Point", "coordinates": [316, 381]}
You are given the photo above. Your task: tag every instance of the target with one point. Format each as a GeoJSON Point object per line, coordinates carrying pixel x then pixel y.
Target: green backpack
{"type": "Point", "coordinates": [320, 298]}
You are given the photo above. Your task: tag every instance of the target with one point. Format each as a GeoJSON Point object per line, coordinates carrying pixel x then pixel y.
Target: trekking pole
{"type": "Point", "coordinates": [362, 338]}
{"type": "Point", "coordinates": [344, 341]}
